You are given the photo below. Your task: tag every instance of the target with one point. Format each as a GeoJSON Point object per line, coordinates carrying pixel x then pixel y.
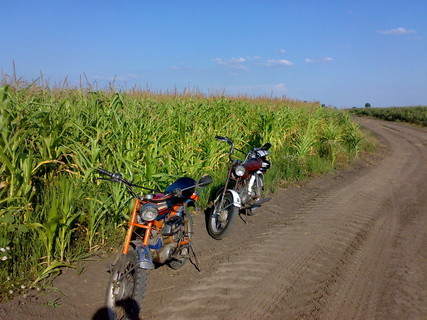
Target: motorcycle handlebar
{"type": "Point", "coordinates": [228, 140]}
{"type": "Point", "coordinates": [114, 176]}
{"type": "Point", "coordinates": [105, 172]}
{"type": "Point", "coordinates": [117, 177]}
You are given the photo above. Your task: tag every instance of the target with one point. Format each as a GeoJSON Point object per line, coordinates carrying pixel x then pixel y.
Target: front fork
{"type": "Point", "coordinates": [251, 183]}
{"type": "Point", "coordinates": [145, 260]}
{"type": "Point", "coordinates": [234, 194]}
{"type": "Point", "coordinates": [258, 179]}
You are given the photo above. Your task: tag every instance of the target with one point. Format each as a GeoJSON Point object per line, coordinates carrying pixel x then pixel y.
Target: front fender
{"type": "Point", "coordinates": [145, 260]}
{"type": "Point", "coordinates": [236, 198]}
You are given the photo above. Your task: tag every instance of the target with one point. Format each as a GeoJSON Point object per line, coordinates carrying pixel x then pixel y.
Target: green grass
{"type": "Point", "coordinates": [415, 115]}
{"type": "Point", "coordinates": [53, 212]}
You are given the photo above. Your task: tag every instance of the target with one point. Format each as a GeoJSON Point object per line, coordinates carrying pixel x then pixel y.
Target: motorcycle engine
{"type": "Point", "coordinates": [172, 226]}
{"type": "Point", "coordinates": [163, 247]}
{"type": "Point", "coordinates": [244, 195]}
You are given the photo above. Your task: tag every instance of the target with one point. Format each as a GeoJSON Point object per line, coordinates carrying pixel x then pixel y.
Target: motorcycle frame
{"type": "Point", "coordinates": [225, 190]}
{"type": "Point", "coordinates": [133, 222]}
{"type": "Point", "coordinates": [238, 180]}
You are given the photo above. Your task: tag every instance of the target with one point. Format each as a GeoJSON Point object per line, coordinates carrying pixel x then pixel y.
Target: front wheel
{"type": "Point", "coordinates": [221, 216]}
{"type": "Point", "coordinates": [126, 289]}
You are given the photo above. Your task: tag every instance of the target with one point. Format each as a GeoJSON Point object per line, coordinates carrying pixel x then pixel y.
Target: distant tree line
{"type": "Point", "coordinates": [416, 115]}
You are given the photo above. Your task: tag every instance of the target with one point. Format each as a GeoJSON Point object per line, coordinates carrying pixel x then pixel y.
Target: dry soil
{"type": "Point", "coordinates": [349, 245]}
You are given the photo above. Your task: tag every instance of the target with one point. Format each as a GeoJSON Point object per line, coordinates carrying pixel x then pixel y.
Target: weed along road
{"type": "Point", "coordinates": [350, 245]}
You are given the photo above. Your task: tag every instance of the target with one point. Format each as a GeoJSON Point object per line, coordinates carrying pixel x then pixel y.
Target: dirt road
{"type": "Point", "coordinates": [351, 245]}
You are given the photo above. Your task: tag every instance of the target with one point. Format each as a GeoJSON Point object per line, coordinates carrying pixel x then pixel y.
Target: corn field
{"type": "Point", "coordinates": [53, 211]}
{"type": "Point", "coordinates": [415, 115]}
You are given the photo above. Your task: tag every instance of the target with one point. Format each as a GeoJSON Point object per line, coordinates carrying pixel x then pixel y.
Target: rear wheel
{"type": "Point", "coordinates": [220, 217]}
{"type": "Point", "coordinates": [126, 289]}
{"type": "Point", "coordinates": [183, 253]}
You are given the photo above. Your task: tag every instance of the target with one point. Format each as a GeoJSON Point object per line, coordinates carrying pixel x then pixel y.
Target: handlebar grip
{"type": "Point", "coordinates": [221, 138]}
{"type": "Point", "coordinates": [107, 173]}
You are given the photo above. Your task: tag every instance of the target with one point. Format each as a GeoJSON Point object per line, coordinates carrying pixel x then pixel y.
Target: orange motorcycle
{"type": "Point", "coordinates": [160, 231]}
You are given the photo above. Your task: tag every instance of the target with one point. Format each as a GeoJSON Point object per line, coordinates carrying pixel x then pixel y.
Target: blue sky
{"type": "Point", "coordinates": [342, 53]}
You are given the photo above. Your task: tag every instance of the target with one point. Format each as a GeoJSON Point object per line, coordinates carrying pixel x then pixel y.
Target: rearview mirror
{"type": "Point", "coordinates": [204, 181]}
{"type": "Point", "coordinates": [266, 146]}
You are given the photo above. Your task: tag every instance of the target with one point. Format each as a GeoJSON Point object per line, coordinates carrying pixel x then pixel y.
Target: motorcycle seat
{"type": "Point", "coordinates": [183, 183]}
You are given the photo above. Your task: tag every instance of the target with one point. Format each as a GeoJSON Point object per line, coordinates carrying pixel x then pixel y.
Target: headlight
{"type": "Point", "coordinates": [239, 170]}
{"type": "Point", "coordinates": [148, 211]}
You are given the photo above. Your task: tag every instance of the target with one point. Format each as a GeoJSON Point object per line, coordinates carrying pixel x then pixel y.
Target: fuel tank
{"type": "Point", "coordinates": [251, 166]}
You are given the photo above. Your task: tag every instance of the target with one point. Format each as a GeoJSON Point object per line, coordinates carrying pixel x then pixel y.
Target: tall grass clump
{"type": "Point", "coordinates": [52, 139]}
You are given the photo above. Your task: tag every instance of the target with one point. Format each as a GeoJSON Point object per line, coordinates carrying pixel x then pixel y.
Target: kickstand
{"type": "Point", "coordinates": [240, 215]}
{"type": "Point", "coordinates": [193, 256]}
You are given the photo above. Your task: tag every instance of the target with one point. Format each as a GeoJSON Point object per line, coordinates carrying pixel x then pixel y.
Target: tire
{"type": "Point", "coordinates": [178, 263]}
{"type": "Point", "coordinates": [259, 185]}
{"type": "Point", "coordinates": [126, 288]}
{"type": "Point", "coordinates": [219, 220]}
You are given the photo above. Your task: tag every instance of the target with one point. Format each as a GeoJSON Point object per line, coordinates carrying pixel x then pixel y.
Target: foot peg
{"type": "Point", "coordinates": [256, 203]}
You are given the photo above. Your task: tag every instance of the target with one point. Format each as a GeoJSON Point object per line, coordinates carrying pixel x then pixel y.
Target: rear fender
{"type": "Point", "coordinates": [190, 203]}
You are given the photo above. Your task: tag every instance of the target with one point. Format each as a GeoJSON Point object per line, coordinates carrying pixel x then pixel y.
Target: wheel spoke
{"type": "Point", "coordinates": [126, 273]}
{"type": "Point", "coordinates": [127, 287]}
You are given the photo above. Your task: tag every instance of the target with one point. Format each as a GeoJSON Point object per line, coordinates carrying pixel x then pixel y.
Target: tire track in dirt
{"type": "Point", "coordinates": [286, 264]}
{"type": "Point", "coordinates": [345, 246]}
{"type": "Point", "coordinates": [326, 262]}
{"type": "Point", "coordinates": [370, 288]}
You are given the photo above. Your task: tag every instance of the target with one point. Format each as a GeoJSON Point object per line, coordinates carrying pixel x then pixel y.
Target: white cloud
{"type": "Point", "coordinates": [237, 60]}
{"type": "Point", "coordinates": [278, 62]}
{"type": "Point", "coordinates": [233, 63]}
{"type": "Point", "coordinates": [244, 63]}
{"type": "Point", "coordinates": [240, 63]}
{"type": "Point", "coordinates": [218, 60]}
{"type": "Point", "coordinates": [321, 60]}
{"type": "Point", "coordinates": [280, 87]}
{"type": "Point", "coordinates": [397, 31]}
{"type": "Point", "coordinates": [282, 51]}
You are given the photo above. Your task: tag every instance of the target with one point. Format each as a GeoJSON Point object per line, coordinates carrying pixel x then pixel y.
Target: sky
{"type": "Point", "coordinates": [342, 53]}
